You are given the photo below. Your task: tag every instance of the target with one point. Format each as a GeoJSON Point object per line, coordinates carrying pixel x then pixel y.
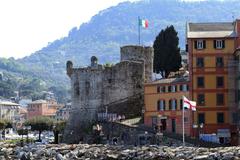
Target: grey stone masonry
{"type": "Point", "coordinates": [117, 88]}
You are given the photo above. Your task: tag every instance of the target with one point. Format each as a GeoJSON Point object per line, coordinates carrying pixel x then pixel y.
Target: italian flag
{"type": "Point", "coordinates": [143, 23]}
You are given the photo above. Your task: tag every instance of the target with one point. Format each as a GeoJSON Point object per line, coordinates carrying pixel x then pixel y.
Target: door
{"type": "Point", "coordinates": [173, 125]}
{"type": "Point", "coordinates": [164, 125]}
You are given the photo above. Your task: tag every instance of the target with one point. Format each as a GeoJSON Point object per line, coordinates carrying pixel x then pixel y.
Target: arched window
{"type": "Point", "coordinates": [173, 104]}
{"type": "Point", "coordinates": [161, 105]}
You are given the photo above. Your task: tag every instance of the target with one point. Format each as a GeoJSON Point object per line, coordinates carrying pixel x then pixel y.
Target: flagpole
{"type": "Point", "coordinates": [183, 129]}
{"type": "Point", "coordinates": [139, 38]}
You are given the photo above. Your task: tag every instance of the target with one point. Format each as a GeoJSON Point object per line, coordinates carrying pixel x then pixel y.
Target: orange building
{"type": "Point", "coordinates": [163, 99]}
{"type": "Point", "coordinates": [42, 108]}
{"type": "Point", "coordinates": [210, 49]}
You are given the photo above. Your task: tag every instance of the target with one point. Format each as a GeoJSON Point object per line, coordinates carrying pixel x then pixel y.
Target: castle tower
{"type": "Point", "coordinates": [139, 53]}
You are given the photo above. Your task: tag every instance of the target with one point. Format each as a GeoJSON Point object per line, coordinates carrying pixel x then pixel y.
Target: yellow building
{"type": "Point", "coordinates": [164, 98]}
{"type": "Point", "coordinates": [210, 48]}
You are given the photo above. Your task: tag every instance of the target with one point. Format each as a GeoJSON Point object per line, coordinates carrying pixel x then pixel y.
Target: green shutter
{"type": "Point", "coordinates": [214, 44]}
{"type": "Point", "coordinates": [204, 44]}
{"type": "Point", "coordinates": [195, 44]}
{"type": "Point", "coordinates": [223, 43]}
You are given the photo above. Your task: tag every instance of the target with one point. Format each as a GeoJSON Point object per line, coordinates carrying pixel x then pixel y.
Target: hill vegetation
{"type": "Point", "coordinates": [108, 30]}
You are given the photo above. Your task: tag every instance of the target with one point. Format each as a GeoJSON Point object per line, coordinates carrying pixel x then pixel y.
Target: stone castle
{"type": "Point", "coordinates": [115, 89]}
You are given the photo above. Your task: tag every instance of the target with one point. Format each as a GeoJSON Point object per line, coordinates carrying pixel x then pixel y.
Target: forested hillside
{"type": "Point", "coordinates": [111, 28]}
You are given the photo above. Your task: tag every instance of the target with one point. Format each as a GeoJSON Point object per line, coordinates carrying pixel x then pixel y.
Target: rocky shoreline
{"type": "Point", "coordinates": [111, 152]}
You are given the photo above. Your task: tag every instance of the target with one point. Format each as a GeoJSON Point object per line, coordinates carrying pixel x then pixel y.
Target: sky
{"type": "Point", "coordinates": [29, 25]}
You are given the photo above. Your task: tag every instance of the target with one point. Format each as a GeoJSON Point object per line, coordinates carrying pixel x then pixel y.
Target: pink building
{"type": "Point", "coordinates": [42, 108]}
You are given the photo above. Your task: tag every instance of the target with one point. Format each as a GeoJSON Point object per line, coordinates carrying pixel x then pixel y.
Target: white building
{"type": "Point", "coordinates": [9, 110]}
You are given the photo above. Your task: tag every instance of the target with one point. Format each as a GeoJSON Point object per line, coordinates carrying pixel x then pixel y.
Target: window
{"type": "Point", "coordinates": [201, 118]}
{"type": "Point", "coordinates": [201, 100]}
{"type": "Point", "coordinates": [76, 88]}
{"type": "Point", "coordinates": [173, 88]}
{"type": "Point", "coordinates": [181, 87]}
{"type": "Point", "coordinates": [220, 117]}
{"type": "Point", "coordinates": [185, 87]}
{"type": "Point", "coordinates": [158, 89]}
{"type": "Point", "coordinates": [219, 44]}
{"type": "Point", "coordinates": [161, 105]}
{"type": "Point", "coordinates": [163, 89]}
{"type": "Point", "coordinates": [169, 88]}
{"type": "Point", "coordinates": [172, 104]}
{"type": "Point", "coordinates": [200, 62]}
{"type": "Point", "coordinates": [220, 99]}
{"type": "Point", "coordinates": [220, 82]}
{"type": "Point", "coordinates": [200, 82]}
{"type": "Point", "coordinates": [219, 62]}
{"type": "Point", "coordinates": [200, 44]}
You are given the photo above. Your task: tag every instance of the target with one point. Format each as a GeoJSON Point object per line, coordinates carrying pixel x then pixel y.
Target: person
{"type": "Point", "coordinates": [115, 141]}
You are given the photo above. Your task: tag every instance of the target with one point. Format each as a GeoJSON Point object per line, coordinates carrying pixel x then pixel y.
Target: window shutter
{"type": "Point", "coordinates": [186, 47]}
{"type": "Point", "coordinates": [170, 104]}
{"type": "Point", "coordinates": [223, 43]}
{"type": "Point", "coordinates": [204, 44]}
{"type": "Point", "coordinates": [214, 44]}
{"type": "Point", "coordinates": [195, 44]}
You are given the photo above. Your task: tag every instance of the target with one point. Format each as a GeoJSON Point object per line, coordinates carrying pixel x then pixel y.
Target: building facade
{"type": "Point", "coordinates": [164, 100]}
{"type": "Point", "coordinates": [42, 108]}
{"type": "Point", "coordinates": [63, 113]}
{"type": "Point", "coordinates": [210, 49]}
{"type": "Point", "coordinates": [9, 111]}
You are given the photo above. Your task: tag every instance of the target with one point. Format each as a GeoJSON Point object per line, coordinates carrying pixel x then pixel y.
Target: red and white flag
{"type": "Point", "coordinates": [189, 104]}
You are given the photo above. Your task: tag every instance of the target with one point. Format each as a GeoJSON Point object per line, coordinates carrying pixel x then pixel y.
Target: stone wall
{"type": "Point", "coordinates": [117, 88]}
{"type": "Point", "coordinates": [140, 53]}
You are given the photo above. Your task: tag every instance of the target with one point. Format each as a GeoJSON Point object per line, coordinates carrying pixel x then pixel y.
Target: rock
{"type": "Point", "coordinates": [29, 155]}
{"type": "Point", "coordinates": [202, 157]}
{"type": "Point", "coordinates": [60, 157]}
{"type": "Point", "coordinates": [112, 156]}
{"type": "Point", "coordinates": [24, 157]}
{"type": "Point", "coordinates": [228, 156]}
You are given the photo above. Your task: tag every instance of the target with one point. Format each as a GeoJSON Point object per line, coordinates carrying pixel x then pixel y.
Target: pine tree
{"type": "Point", "coordinates": [167, 56]}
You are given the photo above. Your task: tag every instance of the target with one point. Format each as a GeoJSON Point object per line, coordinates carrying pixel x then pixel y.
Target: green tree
{"type": "Point", "coordinates": [58, 128]}
{"type": "Point", "coordinates": [167, 56]}
{"type": "Point", "coordinates": [40, 124]}
{"type": "Point", "coordinates": [5, 124]}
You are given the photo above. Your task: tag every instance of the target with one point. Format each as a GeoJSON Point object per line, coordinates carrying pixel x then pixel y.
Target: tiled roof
{"type": "Point", "coordinates": [7, 103]}
{"type": "Point", "coordinates": [211, 30]}
{"type": "Point", "coordinates": [218, 26]}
